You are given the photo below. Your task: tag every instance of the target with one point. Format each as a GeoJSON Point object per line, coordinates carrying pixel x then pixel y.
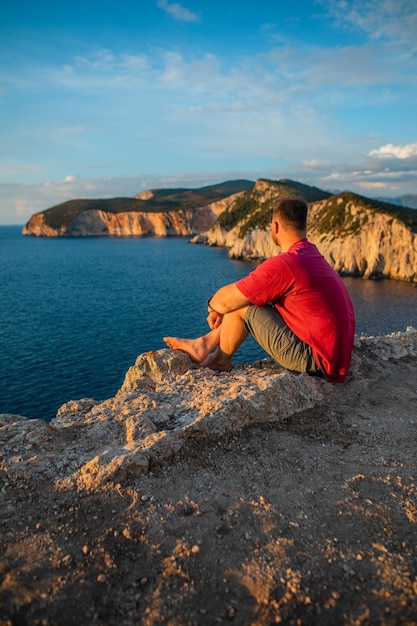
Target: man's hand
{"type": "Point", "coordinates": [214, 319]}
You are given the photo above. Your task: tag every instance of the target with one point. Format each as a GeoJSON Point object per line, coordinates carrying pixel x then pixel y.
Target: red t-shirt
{"type": "Point", "coordinates": [313, 301]}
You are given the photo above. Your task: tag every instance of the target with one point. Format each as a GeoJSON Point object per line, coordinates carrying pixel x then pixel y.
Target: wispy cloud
{"type": "Point", "coordinates": [332, 69]}
{"type": "Point", "coordinates": [205, 83]}
{"type": "Point", "coordinates": [269, 106]}
{"type": "Point", "coordinates": [305, 108]}
{"type": "Point", "coordinates": [178, 11]}
{"type": "Point", "coordinates": [395, 20]}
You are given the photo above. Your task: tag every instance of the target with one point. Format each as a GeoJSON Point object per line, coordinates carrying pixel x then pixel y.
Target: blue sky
{"type": "Point", "coordinates": [103, 99]}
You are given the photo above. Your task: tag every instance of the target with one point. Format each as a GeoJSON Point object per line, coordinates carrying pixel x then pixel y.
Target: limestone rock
{"type": "Point", "coordinates": [153, 367]}
{"type": "Point", "coordinates": [370, 243]}
{"type": "Point", "coordinates": [165, 401]}
{"type": "Point", "coordinates": [94, 222]}
{"type": "Point", "coordinates": [378, 245]}
{"type": "Point", "coordinates": [358, 236]}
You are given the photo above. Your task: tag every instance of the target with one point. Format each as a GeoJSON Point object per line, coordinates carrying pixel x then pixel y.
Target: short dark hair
{"type": "Point", "coordinates": [292, 211]}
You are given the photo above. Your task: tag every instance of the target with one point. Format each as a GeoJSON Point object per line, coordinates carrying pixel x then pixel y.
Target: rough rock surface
{"type": "Point", "coordinates": [164, 401]}
{"type": "Point", "coordinates": [93, 222]}
{"type": "Point", "coordinates": [192, 497]}
{"type": "Point", "coordinates": [381, 246]}
{"type": "Point", "coordinates": [377, 245]}
{"type": "Point", "coordinates": [356, 240]}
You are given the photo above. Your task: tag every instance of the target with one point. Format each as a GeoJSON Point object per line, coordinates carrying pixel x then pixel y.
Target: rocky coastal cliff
{"type": "Point", "coordinates": [152, 213]}
{"type": "Point", "coordinates": [165, 400]}
{"type": "Point", "coordinates": [256, 496]}
{"type": "Point", "coordinates": [95, 222]}
{"type": "Point", "coordinates": [357, 236]}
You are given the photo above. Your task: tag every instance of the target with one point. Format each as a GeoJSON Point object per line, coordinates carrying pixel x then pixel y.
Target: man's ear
{"type": "Point", "coordinates": [275, 227]}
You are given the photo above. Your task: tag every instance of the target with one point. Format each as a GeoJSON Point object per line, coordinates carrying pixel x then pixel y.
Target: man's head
{"type": "Point", "coordinates": [291, 212]}
{"type": "Point", "coordinates": [290, 217]}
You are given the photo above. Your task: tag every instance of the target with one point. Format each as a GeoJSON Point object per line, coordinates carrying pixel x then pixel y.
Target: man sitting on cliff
{"type": "Point", "coordinates": [294, 304]}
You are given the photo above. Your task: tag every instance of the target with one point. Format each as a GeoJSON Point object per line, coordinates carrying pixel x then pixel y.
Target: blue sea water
{"type": "Point", "coordinates": [75, 313]}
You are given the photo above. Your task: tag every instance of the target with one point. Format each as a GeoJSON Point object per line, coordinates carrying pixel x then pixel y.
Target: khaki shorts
{"type": "Point", "coordinates": [268, 328]}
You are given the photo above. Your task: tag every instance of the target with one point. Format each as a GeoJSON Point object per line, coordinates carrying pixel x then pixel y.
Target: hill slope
{"type": "Point", "coordinates": [60, 216]}
{"type": "Point", "coordinates": [254, 496]}
{"type": "Point", "coordinates": [253, 208]}
{"type": "Point", "coordinates": [357, 235]}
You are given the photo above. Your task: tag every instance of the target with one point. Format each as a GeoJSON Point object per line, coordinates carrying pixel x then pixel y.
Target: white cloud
{"type": "Point", "coordinates": [336, 68]}
{"type": "Point", "coordinates": [204, 81]}
{"type": "Point", "coordinates": [178, 11]}
{"type": "Point", "coordinates": [154, 109]}
{"type": "Point", "coordinates": [398, 152]}
{"type": "Point", "coordinates": [316, 165]}
{"type": "Point", "coordinates": [97, 60]}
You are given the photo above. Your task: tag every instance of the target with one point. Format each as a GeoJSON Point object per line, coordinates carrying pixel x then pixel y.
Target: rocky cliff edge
{"type": "Point", "coordinates": [166, 401]}
{"type": "Point", "coordinates": [254, 497]}
{"type": "Point", "coordinates": [356, 239]}
{"type": "Point", "coordinates": [97, 222]}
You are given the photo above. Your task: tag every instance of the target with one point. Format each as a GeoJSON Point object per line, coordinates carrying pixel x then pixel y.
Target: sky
{"type": "Point", "coordinates": [105, 99]}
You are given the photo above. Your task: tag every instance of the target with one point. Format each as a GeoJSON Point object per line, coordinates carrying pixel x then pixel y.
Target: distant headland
{"type": "Point", "coordinates": [359, 236]}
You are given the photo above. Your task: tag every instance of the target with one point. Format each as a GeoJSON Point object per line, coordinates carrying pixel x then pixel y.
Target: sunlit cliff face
{"type": "Point", "coordinates": [379, 247]}
{"type": "Point", "coordinates": [94, 222]}
{"type": "Point", "coordinates": [355, 239]}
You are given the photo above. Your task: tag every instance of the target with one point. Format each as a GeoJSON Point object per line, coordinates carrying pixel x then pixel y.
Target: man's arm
{"type": "Point", "coordinates": [227, 298]}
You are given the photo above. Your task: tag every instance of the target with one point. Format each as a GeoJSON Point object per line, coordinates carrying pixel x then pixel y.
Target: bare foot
{"type": "Point", "coordinates": [218, 361]}
{"type": "Point", "coordinates": [197, 349]}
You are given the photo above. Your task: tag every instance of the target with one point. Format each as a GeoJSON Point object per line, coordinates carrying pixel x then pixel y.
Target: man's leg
{"type": "Point", "coordinates": [272, 333]}
{"type": "Point", "coordinates": [228, 337]}
{"type": "Point", "coordinates": [198, 349]}
{"type": "Point", "coordinates": [232, 334]}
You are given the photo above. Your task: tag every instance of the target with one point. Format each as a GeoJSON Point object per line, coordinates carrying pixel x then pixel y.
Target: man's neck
{"type": "Point", "coordinates": [290, 238]}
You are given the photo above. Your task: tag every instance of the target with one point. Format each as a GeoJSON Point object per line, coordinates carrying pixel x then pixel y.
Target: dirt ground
{"type": "Point", "coordinates": [313, 521]}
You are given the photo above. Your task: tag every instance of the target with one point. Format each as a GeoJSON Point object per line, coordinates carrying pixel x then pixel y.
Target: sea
{"type": "Point", "coordinates": [76, 312]}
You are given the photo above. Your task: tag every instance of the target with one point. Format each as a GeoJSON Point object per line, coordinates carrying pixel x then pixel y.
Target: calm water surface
{"type": "Point", "coordinates": [75, 313]}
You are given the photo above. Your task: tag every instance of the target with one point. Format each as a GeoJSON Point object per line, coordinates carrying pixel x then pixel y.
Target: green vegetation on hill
{"type": "Point", "coordinates": [334, 218]}
{"type": "Point", "coordinates": [212, 193]}
{"type": "Point", "coordinates": [253, 209]}
{"type": "Point", "coordinates": [61, 215]}
{"type": "Point", "coordinates": [163, 200]}
{"type": "Point", "coordinates": [309, 193]}
{"type": "Point", "coordinates": [405, 214]}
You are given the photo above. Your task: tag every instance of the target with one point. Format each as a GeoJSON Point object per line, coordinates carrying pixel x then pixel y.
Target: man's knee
{"type": "Point", "coordinates": [266, 318]}
{"type": "Point", "coordinates": [240, 312]}
{"type": "Point", "coordinates": [272, 333]}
